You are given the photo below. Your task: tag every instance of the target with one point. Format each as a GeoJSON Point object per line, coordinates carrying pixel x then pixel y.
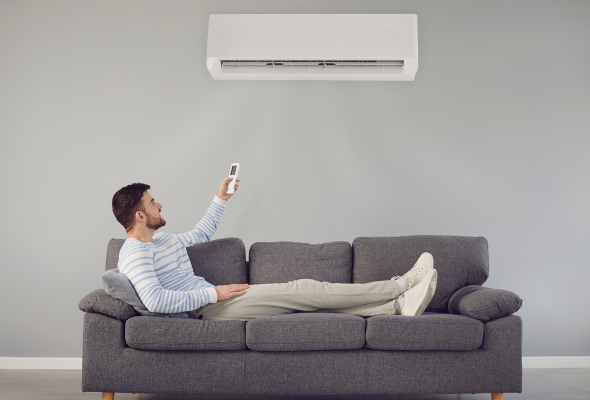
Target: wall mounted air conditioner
{"type": "Point", "coordinates": [352, 47]}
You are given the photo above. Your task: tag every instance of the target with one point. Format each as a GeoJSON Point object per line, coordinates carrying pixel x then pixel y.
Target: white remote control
{"type": "Point", "coordinates": [233, 173]}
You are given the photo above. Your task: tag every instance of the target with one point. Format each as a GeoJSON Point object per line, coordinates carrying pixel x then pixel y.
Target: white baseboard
{"type": "Point", "coordinates": [556, 362]}
{"type": "Point", "coordinates": [40, 363]}
{"type": "Point", "coordinates": [76, 363]}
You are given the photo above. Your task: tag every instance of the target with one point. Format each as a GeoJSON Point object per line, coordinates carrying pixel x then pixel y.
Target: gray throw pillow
{"type": "Point", "coordinates": [484, 303]}
{"type": "Point", "coordinates": [116, 284]}
{"type": "Point", "coordinates": [101, 303]}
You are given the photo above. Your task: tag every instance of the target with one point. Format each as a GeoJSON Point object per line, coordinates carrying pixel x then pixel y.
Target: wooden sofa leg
{"type": "Point", "coordinates": [497, 396]}
{"type": "Point", "coordinates": [108, 396]}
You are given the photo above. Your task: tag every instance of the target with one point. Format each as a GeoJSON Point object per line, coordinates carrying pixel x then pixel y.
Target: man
{"type": "Point", "coordinates": [159, 268]}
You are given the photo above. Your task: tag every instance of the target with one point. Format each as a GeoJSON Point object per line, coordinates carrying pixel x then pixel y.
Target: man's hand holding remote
{"type": "Point", "coordinates": [223, 189]}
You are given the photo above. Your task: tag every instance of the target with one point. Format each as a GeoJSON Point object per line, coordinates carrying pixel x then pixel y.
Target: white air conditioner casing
{"type": "Point", "coordinates": [351, 47]}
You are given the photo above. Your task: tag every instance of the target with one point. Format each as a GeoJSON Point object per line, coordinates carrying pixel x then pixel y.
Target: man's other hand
{"type": "Point", "coordinates": [225, 292]}
{"type": "Point", "coordinates": [223, 189]}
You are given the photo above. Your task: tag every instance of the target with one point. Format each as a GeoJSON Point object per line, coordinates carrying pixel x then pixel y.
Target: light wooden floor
{"type": "Point", "coordinates": [538, 384]}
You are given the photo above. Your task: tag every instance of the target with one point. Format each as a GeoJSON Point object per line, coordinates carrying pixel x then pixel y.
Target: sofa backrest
{"type": "Point", "coordinates": [280, 262]}
{"type": "Point", "coordinates": [113, 250]}
{"type": "Point", "coordinates": [220, 261]}
{"type": "Point", "coordinates": [458, 260]}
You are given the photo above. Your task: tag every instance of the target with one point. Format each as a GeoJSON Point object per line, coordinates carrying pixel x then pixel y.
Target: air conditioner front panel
{"type": "Point", "coordinates": [310, 36]}
{"type": "Point", "coordinates": [318, 37]}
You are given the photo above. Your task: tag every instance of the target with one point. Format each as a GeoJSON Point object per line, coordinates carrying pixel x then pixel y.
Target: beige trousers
{"type": "Point", "coordinates": [362, 299]}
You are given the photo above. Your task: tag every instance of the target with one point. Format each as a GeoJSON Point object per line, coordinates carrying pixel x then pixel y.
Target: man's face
{"type": "Point", "coordinates": [152, 211]}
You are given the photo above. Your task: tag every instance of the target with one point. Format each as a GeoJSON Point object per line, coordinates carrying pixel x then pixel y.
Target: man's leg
{"type": "Point", "coordinates": [386, 307]}
{"type": "Point", "coordinates": [411, 303]}
{"type": "Point", "coordinates": [304, 295]}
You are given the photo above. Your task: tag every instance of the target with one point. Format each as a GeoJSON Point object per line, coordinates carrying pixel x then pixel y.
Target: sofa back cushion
{"type": "Point", "coordinates": [280, 262]}
{"type": "Point", "coordinates": [220, 261]}
{"type": "Point", "coordinates": [459, 261]}
{"type": "Point", "coordinates": [113, 250]}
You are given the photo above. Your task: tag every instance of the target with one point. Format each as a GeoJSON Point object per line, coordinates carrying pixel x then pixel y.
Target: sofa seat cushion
{"type": "Point", "coordinates": [159, 333]}
{"type": "Point", "coordinates": [429, 331]}
{"type": "Point", "coordinates": [303, 331]}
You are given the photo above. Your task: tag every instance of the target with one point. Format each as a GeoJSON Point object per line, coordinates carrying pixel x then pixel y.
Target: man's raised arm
{"type": "Point", "coordinates": [207, 226]}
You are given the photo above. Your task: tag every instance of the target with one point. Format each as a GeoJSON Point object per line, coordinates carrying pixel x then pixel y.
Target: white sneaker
{"type": "Point", "coordinates": [415, 275]}
{"type": "Point", "coordinates": [418, 298]}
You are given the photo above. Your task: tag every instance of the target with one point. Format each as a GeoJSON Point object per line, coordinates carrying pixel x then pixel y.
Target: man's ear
{"type": "Point", "coordinates": [139, 216]}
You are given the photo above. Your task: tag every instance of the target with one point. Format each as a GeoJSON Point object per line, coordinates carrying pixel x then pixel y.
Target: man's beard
{"type": "Point", "coordinates": [155, 222]}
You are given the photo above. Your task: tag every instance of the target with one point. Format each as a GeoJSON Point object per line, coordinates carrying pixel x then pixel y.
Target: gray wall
{"type": "Point", "coordinates": [491, 139]}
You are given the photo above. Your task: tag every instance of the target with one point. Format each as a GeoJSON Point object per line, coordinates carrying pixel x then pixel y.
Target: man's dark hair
{"type": "Point", "coordinates": [127, 201]}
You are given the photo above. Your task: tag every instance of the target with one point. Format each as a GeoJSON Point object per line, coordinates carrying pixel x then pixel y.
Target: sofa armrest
{"type": "Point", "coordinates": [484, 304]}
{"type": "Point", "coordinates": [100, 302]}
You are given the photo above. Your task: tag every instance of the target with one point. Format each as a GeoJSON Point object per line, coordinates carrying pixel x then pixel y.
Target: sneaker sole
{"type": "Point", "coordinates": [427, 292]}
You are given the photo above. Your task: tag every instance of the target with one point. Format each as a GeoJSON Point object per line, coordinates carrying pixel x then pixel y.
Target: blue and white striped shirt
{"type": "Point", "coordinates": [161, 271]}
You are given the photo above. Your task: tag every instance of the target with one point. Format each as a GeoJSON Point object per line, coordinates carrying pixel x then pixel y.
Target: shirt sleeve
{"type": "Point", "coordinates": [207, 226]}
{"type": "Point", "coordinates": [212, 294]}
{"type": "Point", "coordinates": [138, 265]}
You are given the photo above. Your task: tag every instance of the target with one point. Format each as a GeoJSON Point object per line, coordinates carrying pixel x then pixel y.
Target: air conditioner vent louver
{"type": "Point", "coordinates": [311, 67]}
{"type": "Point", "coordinates": [311, 63]}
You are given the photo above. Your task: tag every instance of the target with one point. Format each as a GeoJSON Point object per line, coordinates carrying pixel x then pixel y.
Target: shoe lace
{"type": "Point", "coordinates": [411, 274]}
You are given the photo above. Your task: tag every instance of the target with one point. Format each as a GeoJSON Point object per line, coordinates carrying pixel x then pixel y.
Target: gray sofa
{"type": "Point", "coordinates": [312, 353]}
